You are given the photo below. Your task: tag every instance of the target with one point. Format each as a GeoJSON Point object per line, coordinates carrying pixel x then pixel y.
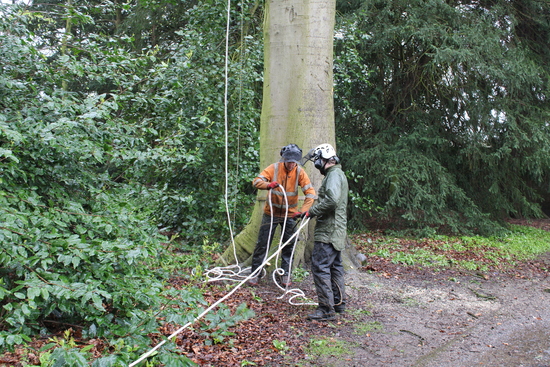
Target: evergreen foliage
{"type": "Point", "coordinates": [442, 110]}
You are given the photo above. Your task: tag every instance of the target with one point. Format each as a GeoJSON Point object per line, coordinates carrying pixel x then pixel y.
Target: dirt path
{"type": "Point", "coordinates": [442, 320]}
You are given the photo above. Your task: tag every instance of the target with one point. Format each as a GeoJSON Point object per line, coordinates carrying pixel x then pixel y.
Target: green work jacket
{"type": "Point", "coordinates": [331, 209]}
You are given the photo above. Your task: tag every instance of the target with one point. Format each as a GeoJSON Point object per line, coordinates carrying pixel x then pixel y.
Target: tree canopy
{"type": "Point", "coordinates": [108, 150]}
{"type": "Point", "coordinates": [442, 110]}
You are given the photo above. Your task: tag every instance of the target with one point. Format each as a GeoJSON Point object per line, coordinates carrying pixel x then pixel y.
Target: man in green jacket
{"type": "Point", "coordinates": [330, 234]}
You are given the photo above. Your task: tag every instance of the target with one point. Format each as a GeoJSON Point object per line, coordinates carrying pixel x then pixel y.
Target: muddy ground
{"type": "Point", "coordinates": [404, 318]}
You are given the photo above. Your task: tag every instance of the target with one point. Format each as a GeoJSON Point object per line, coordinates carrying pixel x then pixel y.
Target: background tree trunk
{"type": "Point", "coordinates": [297, 104]}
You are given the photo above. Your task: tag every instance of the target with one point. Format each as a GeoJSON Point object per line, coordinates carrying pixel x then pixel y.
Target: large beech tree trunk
{"type": "Point", "coordinates": [297, 102]}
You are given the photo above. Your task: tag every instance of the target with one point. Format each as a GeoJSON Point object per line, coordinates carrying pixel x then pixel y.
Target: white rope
{"type": "Point", "coordinates": [202, 314]}
{"type": "Point", "coordinates": [294, 292]}
{"type": "Point", "coordinates": [271, 223]}
{"type": "Point", "coordinates": [226, 272]}
{"type": "Point", "coordinates": [225, 103]}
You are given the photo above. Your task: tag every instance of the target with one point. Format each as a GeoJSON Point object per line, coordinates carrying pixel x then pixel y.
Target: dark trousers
{"type": "Point", "coordinates": [328, 276]}
{"type": "Point", "coordinates": [264, 242]}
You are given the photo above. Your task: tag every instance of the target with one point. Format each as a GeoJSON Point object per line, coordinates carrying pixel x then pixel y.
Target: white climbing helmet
{"type": "Point", "coordinates": [325, 151]}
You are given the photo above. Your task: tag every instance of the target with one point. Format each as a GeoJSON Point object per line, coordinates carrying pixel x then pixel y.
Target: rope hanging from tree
{"type": "Point", "coordinates": [234, 271]}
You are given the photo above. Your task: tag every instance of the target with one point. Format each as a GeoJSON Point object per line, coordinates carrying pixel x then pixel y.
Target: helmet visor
{"type": "Point", "coordinates": [310, 156]}
{"type": "Point", "coordinates": [291, 155]}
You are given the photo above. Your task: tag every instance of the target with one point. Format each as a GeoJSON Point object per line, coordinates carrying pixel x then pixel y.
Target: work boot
{"type": "Point", "coordinates": [253, 282]}
{"type": "Point", "coordinates": [340, 308]}
{"type": "Point", "coordinates": [321, 315]}
{"type": "Point", "coordinates": [285, 281]}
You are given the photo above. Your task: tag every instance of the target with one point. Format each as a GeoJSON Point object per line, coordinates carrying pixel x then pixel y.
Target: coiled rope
{"type": "Point", "coordinates": [214, 305]}
{"type": "Point", "coordinates": [227, 272]}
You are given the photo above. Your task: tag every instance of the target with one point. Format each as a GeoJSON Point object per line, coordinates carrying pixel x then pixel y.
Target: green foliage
{"type": "Point", "coordinates": [420, 257]}
{"type": "Point", "coordinates": [99, 147]}
{"type": "Point", "coordinates": [215, 325]}
{"type": "Point", "coordinates": [524, 242]}
{"type": "Point", "coordinates": [419, 189]}
{"type": "Point", "coordinates": [180, 110]}
{"type": "Point", "coordinates": [299, 274]}
{"type": "Point", "coordinates": [441, 111]}
{"type": "Point", "coordinates": [155, 118]}
{"type": "Point", "coordinates": [112, 125]}
{"type": "Point", "coordinates": [281, 346]}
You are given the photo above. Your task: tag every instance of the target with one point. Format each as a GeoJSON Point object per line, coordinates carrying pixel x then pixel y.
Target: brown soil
{"type": "Point", "coordinates": [421, 318]}
{"type": "Point", "coordinates": [443, 319]}
{"type": "Point", "coordinates": [403, 317]}
{"type": "Point", "coordinates": [408, 316]}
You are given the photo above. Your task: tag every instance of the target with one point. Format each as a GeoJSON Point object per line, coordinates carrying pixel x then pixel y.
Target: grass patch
{"type": "Point", "coordinates": [326, 346]}
{"type": "Point", "coordinates": [360, 312]}
{"type": "Point", "coordinates": [525, 242]}
{"type": "Point", "coordinates": [368, 327]}
{"type": "Point", "coordinates": [474, 253]}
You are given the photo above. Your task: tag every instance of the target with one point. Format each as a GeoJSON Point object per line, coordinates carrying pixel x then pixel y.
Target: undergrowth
{"type": "Point", "coordinates": [520, 243]}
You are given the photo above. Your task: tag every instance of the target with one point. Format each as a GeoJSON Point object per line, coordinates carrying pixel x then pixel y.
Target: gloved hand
{"type": "Point", "coordinates": [302, 215]}
{"type": "Point", "coordinates": [273, 185]}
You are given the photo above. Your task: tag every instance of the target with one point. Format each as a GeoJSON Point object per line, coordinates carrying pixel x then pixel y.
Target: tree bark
{"type": "Point", "coordinates": [297, 104]}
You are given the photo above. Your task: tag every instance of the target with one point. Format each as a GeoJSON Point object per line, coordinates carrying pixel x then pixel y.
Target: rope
{"type": "Point", "coordinates": [295, 292]}
{"type": "Point", "coordinates": [239, 110]}
{"type": "Point", "coordinates": [243, 279]}
{"type": "Point", "coordinates": [202, 314]}
{"type": "Point", "coordinates": [225, 103]}
{"type": "Point", "coordinates": [191, 322]}
{"type": "Point", "coordinates": [225, 273]}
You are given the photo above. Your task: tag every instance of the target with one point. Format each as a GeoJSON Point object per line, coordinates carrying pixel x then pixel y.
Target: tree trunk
{"type": "Point", "coordinates": [297, 103]}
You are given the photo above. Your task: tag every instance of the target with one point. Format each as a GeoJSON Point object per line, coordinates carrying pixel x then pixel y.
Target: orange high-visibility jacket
{"type": "Point", "coordinates": [290, 182]}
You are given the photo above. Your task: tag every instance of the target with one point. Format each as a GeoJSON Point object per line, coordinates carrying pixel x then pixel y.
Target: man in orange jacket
{"type": "Point", "coordinates": [288, 174]}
